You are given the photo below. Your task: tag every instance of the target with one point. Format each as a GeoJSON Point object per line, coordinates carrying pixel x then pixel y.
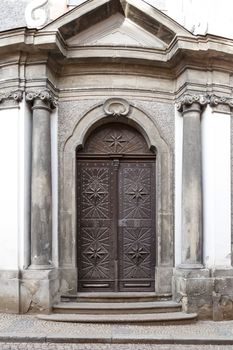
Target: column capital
{"type": "Point", "coordinates": [221, 104]}
{"type": "Point", "coordinates": [11, 98]}
{"type": "Point", "coordinates": [45, 96]}
{"type": "Point", "coordinates": [215, 101]}
{"type": "Point", "coordinates": [188, 101]}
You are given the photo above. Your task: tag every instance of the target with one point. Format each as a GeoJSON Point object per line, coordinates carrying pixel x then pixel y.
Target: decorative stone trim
{"type": "Point", "coordinates": [45, 96]}
{"type": "Point", "coordinates": [216, 100]}
{"type": "Point", "coordinates": [116, 107]}
{"type": "Point", "coordinates": [188, 100]}
{"type": "Point", "coordinates": [203, 100]}
{"type": "Point", "coordinates": [16, 96]}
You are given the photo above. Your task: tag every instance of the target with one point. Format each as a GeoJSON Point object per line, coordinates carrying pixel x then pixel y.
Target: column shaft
{"type": "Point", "coordinates": [192, 188]}
{"type": "Point", "coordinates": [41, 188]}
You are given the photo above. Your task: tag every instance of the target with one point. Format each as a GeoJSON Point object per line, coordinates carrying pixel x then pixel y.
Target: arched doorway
{"type": "Point", "coordinates": [115, 211]}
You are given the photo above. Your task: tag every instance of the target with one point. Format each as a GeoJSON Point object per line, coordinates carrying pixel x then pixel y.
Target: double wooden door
{"type": "Point", "coordinates": [116, 224]}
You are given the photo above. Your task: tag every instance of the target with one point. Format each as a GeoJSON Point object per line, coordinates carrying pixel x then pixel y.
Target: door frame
{"type": "Point", "coordinates": [75, 139]}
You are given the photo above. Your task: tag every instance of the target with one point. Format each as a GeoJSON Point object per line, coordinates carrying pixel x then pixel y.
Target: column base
{"type": "Point", "coordinates": [41, 267]}
{"type": "Point", "coordinates": [39, 290]}
{"type": "Point", "coordinates": [190, 266]}
{"type": "Point", "coordinates": [208, 292]}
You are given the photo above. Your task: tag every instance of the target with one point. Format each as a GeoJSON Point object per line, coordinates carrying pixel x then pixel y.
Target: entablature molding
{"type": "Point", "coordinates": [192, 49]}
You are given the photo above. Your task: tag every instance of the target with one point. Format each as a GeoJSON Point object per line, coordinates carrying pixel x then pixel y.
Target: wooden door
{"type": "Point", "coordinates": [116, 212]}
{"type": "Point", "coordinates": [136, 232]}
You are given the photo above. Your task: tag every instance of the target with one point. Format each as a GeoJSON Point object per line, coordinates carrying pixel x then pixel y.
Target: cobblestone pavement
{"type": "Point", "coordinates": [28, 332]}
{"type": "Point", "coordinates": [39, 346]}
{"type": "Point", "coordinates": [30, 326]}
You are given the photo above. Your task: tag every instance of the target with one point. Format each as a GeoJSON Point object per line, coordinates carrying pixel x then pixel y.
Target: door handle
{"type": "Point", "coordinates": [122, 223]}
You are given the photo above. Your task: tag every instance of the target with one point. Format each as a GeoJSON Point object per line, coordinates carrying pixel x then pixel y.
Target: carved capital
{"type": "Point", "coordinates": [16, 96]}
{"type": "Point", "coordinates": [116, 107]}
{"type": "Point", "coordinates": [188, 100]}
{"type": "Point", "coordinates": [45, 96]}
{"type": "Point", "coordinates": [217, 100]}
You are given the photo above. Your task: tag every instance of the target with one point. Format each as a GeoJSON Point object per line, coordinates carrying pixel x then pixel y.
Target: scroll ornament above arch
{"type": "Point", "coordinates": [116, 107]}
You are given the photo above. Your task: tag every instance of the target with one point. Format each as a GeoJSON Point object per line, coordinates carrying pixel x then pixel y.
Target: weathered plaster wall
{"type": "Point", "coordinates": [54, 157]}
{"type": "Point", "coordinates": [24, 180]}
{"type": "Point", "coordinates": [178, 184]}
{"type": "Point", "coordinates": [216, 188]}
{"type": "Point", "coordinates": [9, 155]}
{"type": "Point", "coordinates": [9, 206]}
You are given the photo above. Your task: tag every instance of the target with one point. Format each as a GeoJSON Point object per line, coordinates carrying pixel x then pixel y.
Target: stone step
{"type": "Point", "coordinates": [154, 318]}
{"type": "Point", "coordinates": [116, 308]}
{"type": "Point", "coordinates": [115, 297]}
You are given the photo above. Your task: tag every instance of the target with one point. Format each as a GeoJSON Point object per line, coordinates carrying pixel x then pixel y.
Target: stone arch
{"type": "Point", "coordinates": [131, 115]}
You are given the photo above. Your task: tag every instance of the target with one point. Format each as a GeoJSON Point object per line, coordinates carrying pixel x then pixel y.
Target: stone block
{"type": "Point", "coordinates": [222, 272]}
{"type": "Point", "coordinates": [39, 290]}
{"type": "Point", "coordinates": [223, 299]}
{"type": "Point", "coordinates": [9, 291]}
{"type": "Point", "coordinates": [68, 280]}
{"type": "Point", "coordinates": [163, 280]}
{"type": "Point", "coordinates": [194, 289]}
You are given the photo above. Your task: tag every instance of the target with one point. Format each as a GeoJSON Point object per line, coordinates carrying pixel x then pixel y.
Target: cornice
{"type": "Point", "coordinates": [45, 96]}
{"type": "Point", "coordinates": [193, 47]}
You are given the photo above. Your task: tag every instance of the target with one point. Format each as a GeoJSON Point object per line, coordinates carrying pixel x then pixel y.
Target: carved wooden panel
{"type": "Point", "coordinates": [136, 226]}
{"type": "Point", "coordinates": [95, 247]}
{"type": "Point", "coordinates": [116, 138]}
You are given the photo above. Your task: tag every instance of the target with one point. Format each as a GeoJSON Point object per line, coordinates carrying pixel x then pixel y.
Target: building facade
{"type": "Point", "coordinates": [116, 146]}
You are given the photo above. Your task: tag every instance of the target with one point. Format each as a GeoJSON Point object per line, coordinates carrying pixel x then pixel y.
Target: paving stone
{"type": "Point", "coordinates": [38, 346]}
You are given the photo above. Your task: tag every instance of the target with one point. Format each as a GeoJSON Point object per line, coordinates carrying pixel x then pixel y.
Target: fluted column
{"type": "Point", "coordinates": [41, 184]}
{"type": "Point", "coordinates": [192, 240]}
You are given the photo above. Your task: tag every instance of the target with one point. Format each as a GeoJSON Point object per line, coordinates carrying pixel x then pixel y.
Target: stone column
{"type": "Point", "coordinates": [41, 184]}
{"type": "Point", "coordinates": [192, 240]}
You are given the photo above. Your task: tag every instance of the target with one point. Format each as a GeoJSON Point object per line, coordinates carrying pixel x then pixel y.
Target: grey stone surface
{"type": "Point", "coordinates": [12, 13]}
